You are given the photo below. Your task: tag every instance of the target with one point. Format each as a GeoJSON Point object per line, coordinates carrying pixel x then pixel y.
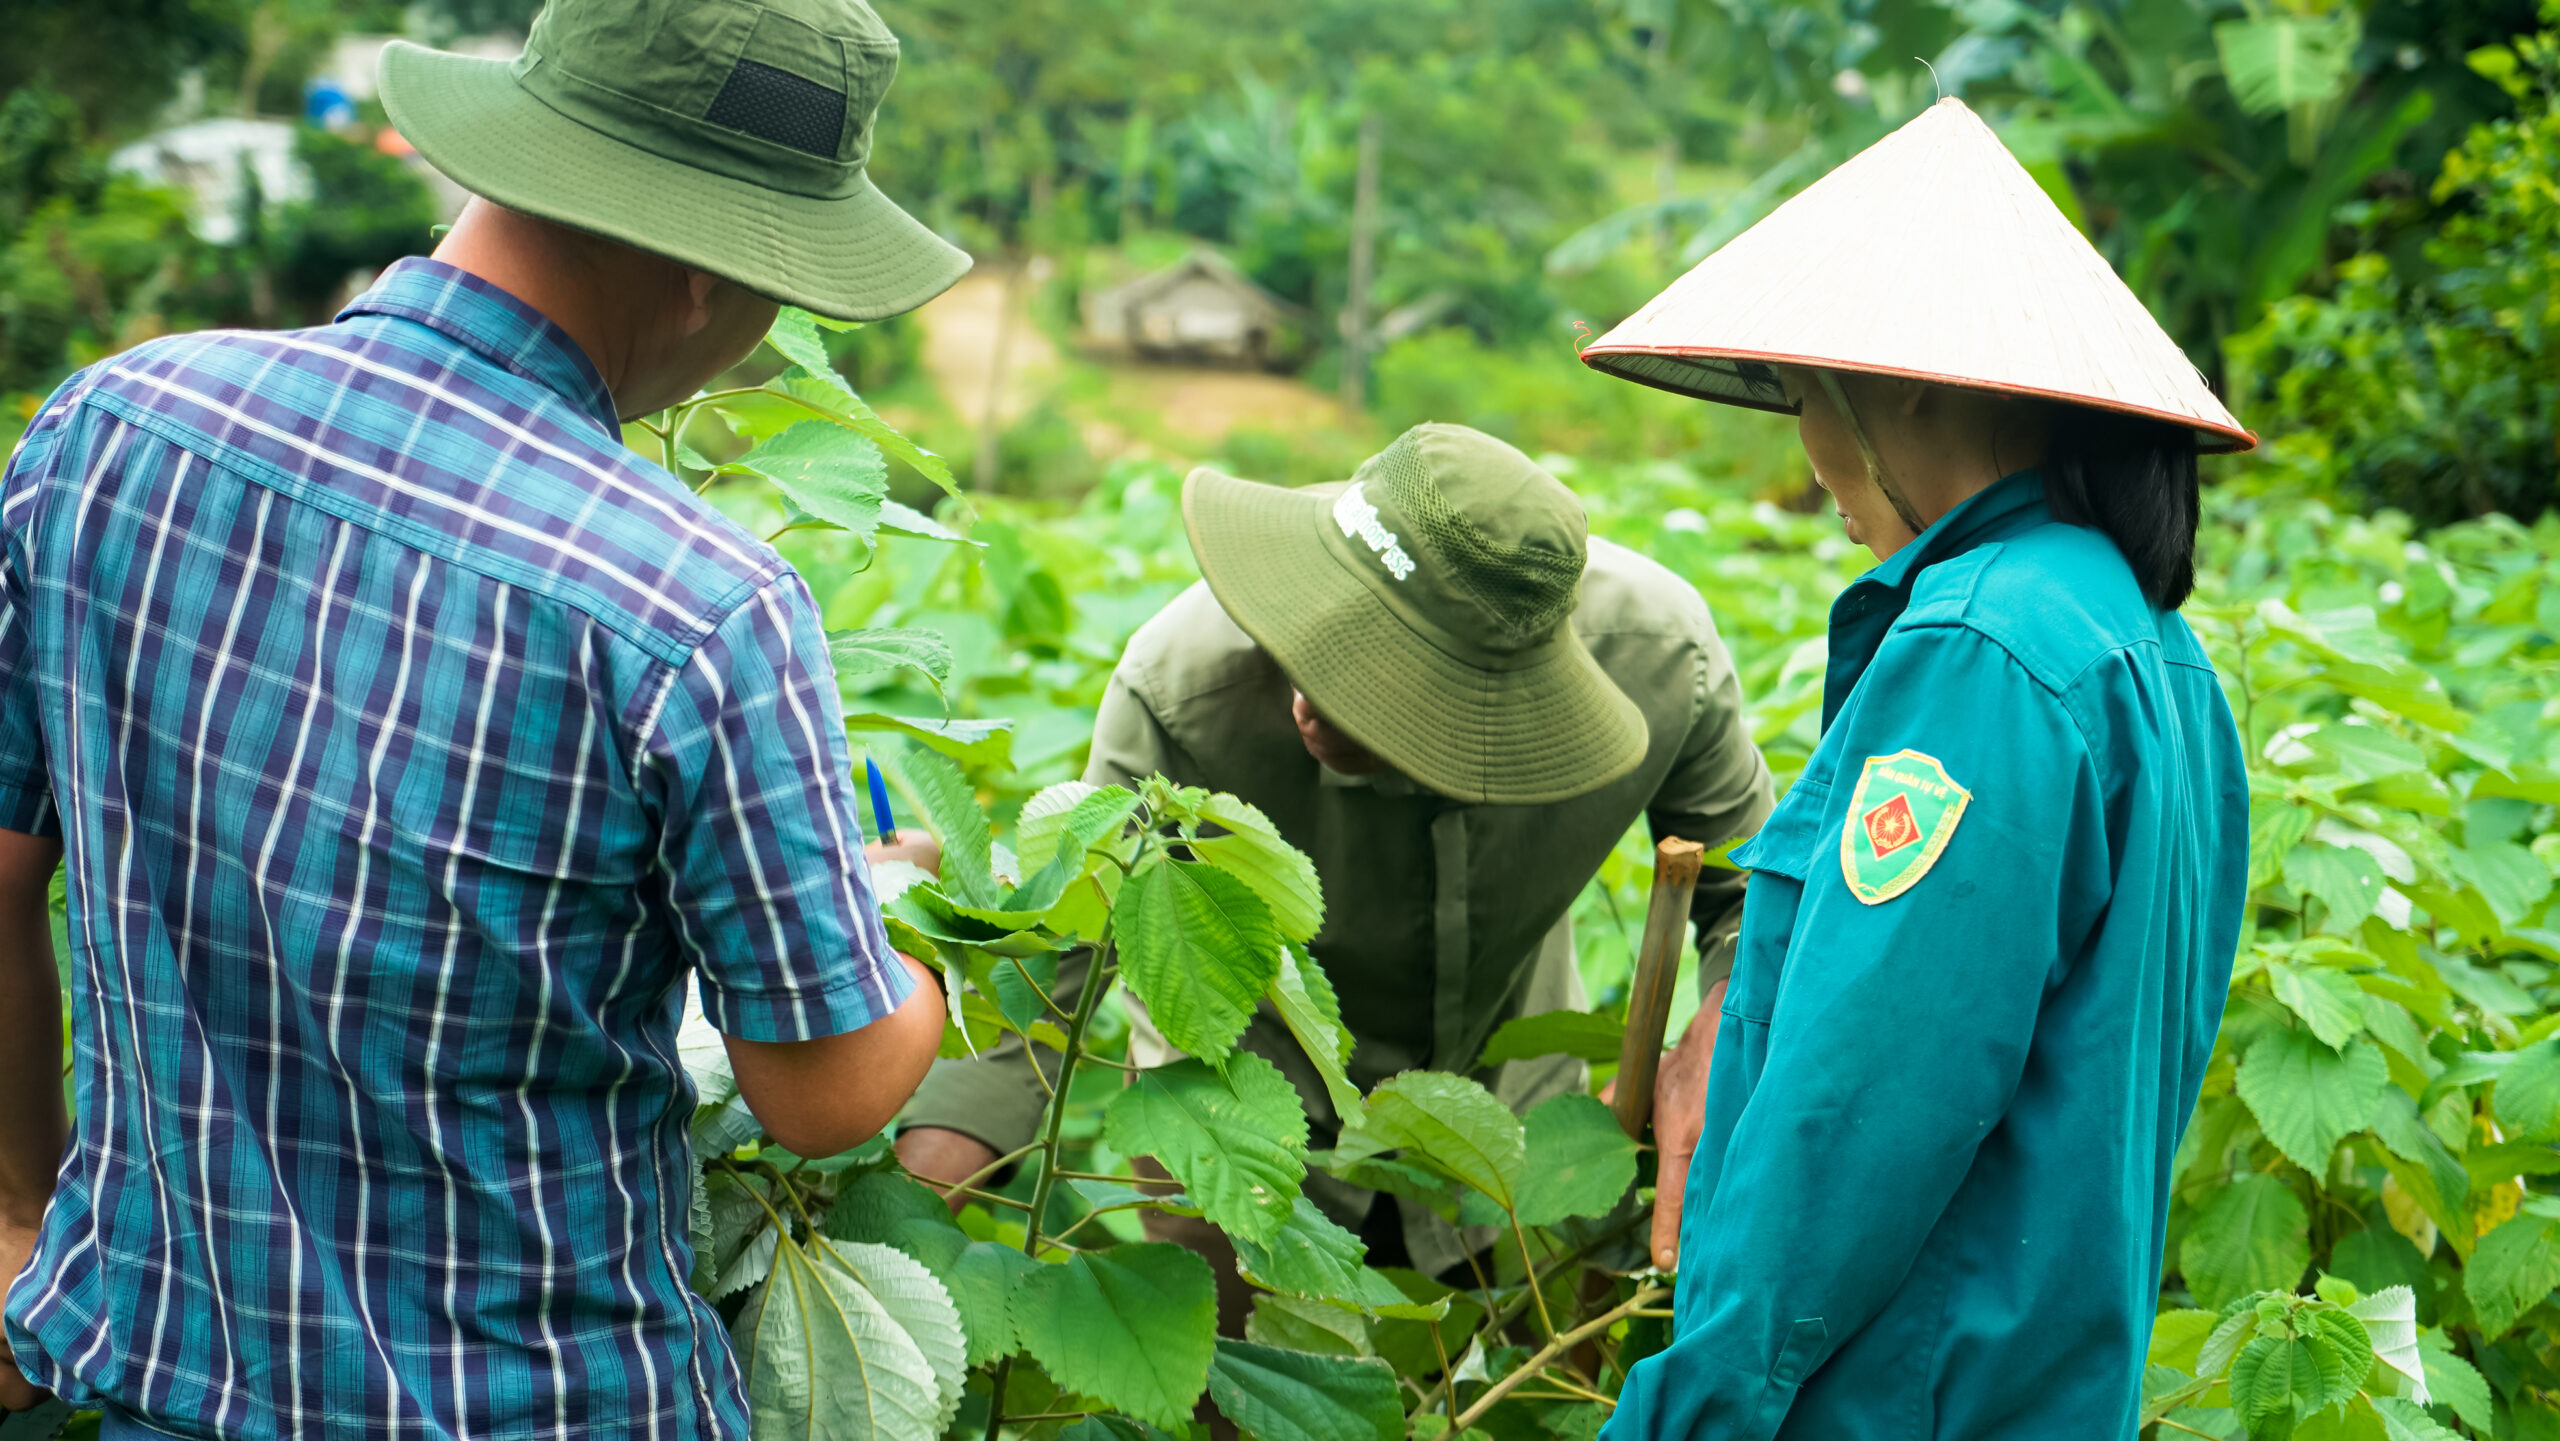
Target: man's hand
{"type": "Point", "coordinates": [945, 1158]}
{"type": "Point", "coordinates": [1679, 1114]}
{"type": "Point", "coordinates": [17, 1245]}
{"type": "Point", "coordinates": [917, 848]}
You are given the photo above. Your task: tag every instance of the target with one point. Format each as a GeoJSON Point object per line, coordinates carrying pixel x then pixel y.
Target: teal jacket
{"type": "Point", "coordinates": [1983, 957]}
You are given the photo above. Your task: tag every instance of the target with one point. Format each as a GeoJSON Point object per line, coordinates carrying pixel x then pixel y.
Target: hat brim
{"type": "Point", "coordinates": [1547, 727]}
{"type": "Point", "coordinates": [1747, 379]}
{"type": "Point", "coordinates": [858, 257]}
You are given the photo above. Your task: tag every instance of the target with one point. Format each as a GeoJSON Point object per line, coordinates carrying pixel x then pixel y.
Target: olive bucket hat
{"type": "Point", "coordinates": [1425, 608]}
{"type": "Point", "coordinates": [728, 135]}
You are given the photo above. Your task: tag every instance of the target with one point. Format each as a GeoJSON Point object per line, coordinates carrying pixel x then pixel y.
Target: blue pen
{"type": "Point", "coordinates": [881, 823]}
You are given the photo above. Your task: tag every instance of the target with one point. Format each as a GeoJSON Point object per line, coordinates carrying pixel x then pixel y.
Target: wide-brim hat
{"type": "Point", "coordinates": [1444, 646]}
{"type": "Point", "coordinates": [732, 139]}
{"type": "Point", "coordinates": [1931, 255]}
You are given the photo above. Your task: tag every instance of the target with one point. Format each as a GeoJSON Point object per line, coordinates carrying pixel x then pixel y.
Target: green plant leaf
{"type": "Point", "coordinates": [951, 807]}
{"type": "Point", "coordinates": [2165, 1389]}
{"type": "Point", "coordinates": [2510, 878]}
{"type": "Point", "coordinates": [2390, 1318]}
{"type": "Point", "coordinates": [914, 1299]}
{"type": "Point", "coordinates": [983, 1282]}
{"type": "Point", "coordinates": [2528, 1092]}
{"type": "Point", "coordinates": [1583, 1035]}
{"type": "Point", "coordinates": [1044, 819]}
{"type": "Point", "coordinates": [871, 1207]}
{"type": "Point", "coordinates": [2345, 880]}
{"type": "Point", "coordinates": [824, 1361]}
{"type": "Point", "coordinates": [1066, 839]}
{"type": "Point", "coordinates": [1235, 1142]}
{"type": "Point", "coordinates": [1013, 979]}
{"type": "Point", "coordinates": [906, 520]}
{"type": "Point", "coordinates": [1314, 1258]}
{"type": "Point", "coordinates": [2406, 1420]}
{"type": "Point", "coordinates": [2281, 61]}
{"type": "Point", "coordinates": [2512, 1269]}
{"type": "Point", "coordinates": [2272, 1375]}
{"type": "Point", "coordinates": [1585, 1163]}
{"type": "Point", "coordinates": [1295, 1396]}
{"type": "Point", "coordinates": [2307, 1097]}
{"type": "Point", "coordinates": [2354, 1346]}
{"type": "Point", "coordinates": [2177, 1337]}
{"type": "Point", "coordinates": [1298, 1323]}
{"type": "Point", "coordinates": [886, 650]}
{"type": "Point", "coordinates": [1253, 852]}
{"type": "Point", "coordinates": [2456, 1383]}
{"type": "Point", "coordinates": [823, 388]}
{"type": "Point", "coordinates": [2275, 828]}
{"type": "Point", "coordinates": [826, 470]}
{"type": "Point", "coordinates": [1304, 997]}
{"type": "Point", "coordinates": [1131, 1327]}
{"type": "Point", "coordinates": [2254, 1236]}
{"type": "Point", "coordinates": [1197, 945]}
{"type": "Point", "coordinates": [2326, 1000]}
{"type": "Point", "coordinates": [970, 742]}
{"type": "Point", "coordinates": [1454, 1124]}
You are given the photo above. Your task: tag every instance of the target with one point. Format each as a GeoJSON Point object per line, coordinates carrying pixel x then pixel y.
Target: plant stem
{"type": "Point", "coordinates": [1529, 1269]}
{"type": "Point", "coordinates": [1554, 1349]}
{"type": "Point", "coordinates": [2190, 1430]}
{"type": "Point", "coordinates": [1097, 982]}
{"type": "Point", "coordinates": [998, 1164]}
{"type": "Point", "coordinates": [1443, 1348]}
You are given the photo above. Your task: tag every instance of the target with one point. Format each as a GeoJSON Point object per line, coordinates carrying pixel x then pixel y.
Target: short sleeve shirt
{"type": "Point", "coordinates": [411, 742]}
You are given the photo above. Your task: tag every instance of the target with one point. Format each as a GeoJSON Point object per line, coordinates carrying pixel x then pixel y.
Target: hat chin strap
{"type": "Point", "coordinates": [1867, 449]}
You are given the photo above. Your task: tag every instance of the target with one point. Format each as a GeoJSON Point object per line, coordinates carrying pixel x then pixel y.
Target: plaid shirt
{"type": "Point", "coordinates": [410, 741]}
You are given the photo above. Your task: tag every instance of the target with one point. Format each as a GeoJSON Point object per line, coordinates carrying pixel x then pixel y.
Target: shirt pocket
{"type": "Point", "coordinates": [1780, 857]}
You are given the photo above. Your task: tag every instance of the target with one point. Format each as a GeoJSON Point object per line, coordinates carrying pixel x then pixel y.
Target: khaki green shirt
{"type": "Point", "coordinates": [1442, 919]}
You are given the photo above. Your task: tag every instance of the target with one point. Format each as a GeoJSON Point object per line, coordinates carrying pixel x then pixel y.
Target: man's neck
{"type": "Point", "coordinates": [557, 273]}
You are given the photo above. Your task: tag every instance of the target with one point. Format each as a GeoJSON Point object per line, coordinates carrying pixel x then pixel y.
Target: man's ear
{"type": "Point", "coordinates": [698, 287]}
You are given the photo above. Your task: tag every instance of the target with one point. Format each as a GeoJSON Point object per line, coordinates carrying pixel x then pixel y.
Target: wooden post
{"type": "Point", "coordinates": [1666, 922]}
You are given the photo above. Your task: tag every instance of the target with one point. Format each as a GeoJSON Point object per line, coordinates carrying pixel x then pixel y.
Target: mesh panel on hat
{"type": "Point", "coordinates": [1527, 589]}
{"type": "Point", "coordinates": [771, 103]}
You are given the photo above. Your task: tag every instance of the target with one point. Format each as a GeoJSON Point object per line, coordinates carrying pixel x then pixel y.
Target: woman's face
{"type": "Point", "coordinates": [1866, 516]}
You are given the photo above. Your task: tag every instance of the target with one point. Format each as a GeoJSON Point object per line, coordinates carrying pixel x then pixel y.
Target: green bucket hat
{"type": "Point", "coordinates": [724, 134]}
{"type": "Point", "coordinates": [1425, 608]}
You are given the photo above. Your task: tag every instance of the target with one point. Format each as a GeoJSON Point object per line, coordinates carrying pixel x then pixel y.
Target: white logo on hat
{"type": "Point", "coordinates": [1357, 516]}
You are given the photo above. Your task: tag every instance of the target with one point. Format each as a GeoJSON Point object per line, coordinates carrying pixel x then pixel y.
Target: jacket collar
{"type": "Point", "coordinates": [1873, 602]}
{"type": "Point", "coordinates": [479, 316]}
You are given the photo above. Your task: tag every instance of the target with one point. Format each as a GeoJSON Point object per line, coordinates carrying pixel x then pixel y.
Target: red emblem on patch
{"type": "Point", "coordinates": [1890, 827]}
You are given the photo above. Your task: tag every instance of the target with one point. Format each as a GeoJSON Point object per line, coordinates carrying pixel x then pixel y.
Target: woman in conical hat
{"type": "Point", "coordinates": [1989, 930]}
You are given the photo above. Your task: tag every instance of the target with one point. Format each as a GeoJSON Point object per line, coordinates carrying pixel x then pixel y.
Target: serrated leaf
{"type": "Point", "coordinates": [821, 387]}
{"type": "Point", "coordinates": [698, 1231]}
{"type": "Point", "coordinates": [2345, 880]}
{"type": "Point", "coordinates": [2275, 827]}
{"type": "Point", "coordinates": [885, 650]}
{"type": "Point", "coordinates": [1317, 1259]}
{"type": "Point", "coordinates": [2223, 1343]}
{"type": "Point", "coordinates": [2326, 1000]}
{"type": "Point", "coordinates": [2354, 1347]}
{"type": "Point", "coordinates": [1454, 1124]}
{"type": "Point", "coordinates": [2307, 1096]}
{"type": "Point", "coordinates": [2404, 1420]}
{"type": "Point", "coordinates": [749, 1265]}
{"type": "Point", "coordinates": [826, 470]}
{"type": "Point", "coordinates": [920, 1305]}
{"type": "Point", "coordinates": [1299, 1323]}
{"type": "Point", "coordinates": [2528, 1092]}
{"type": "Point", "coordinates": [983, 1282]}
{"type": "Point", "coordinates": [1281, 1395]}
{"type": "Point", "coordinates": [1198, 947]}
{"type": "Point", "coordinates": [1585, 1162]}
{"type": "Point", "coordinates": [1098, 815]}
{"type": "Point", "coordinates": [2455, 1383]}
{"type": "Point", "coordinates": [1253, 852]}
{"type": "Point", "coordinates": [824, 1361]}
{"type": "Point", "coordinates": [2178, 1337]}
{"type": "Point", "coordinates": [1131, 1327]}
{"type": "Point", "coordinates": [2271, 1374]}
{"type": "Point", "coordinates": [982, 742]}
{"type": "Point", "coordinates": [951, 807]}
{"type": "Point", "coordinates": [1583, 1035]}
{"type": "Point", "coordinates": [2512, 1269]}
{"type": "Point", "coordinates": [1014, 980]}
{"type": "Point", "coordinates": [1303, 996]}
{"type": "Point", "coordinates": [1235, 1142]}
{"type": "Point", "coordinates": [2254, 1236]}
{"type": "Point", "coordinates": [2510, 878]}
{"type": "Point", "coordinates": [2390, 1318]}
{"type": "Point", "coordinates": [2165, 1389]}
{"type": "Point", "coordinates": [1044, 818]}
{"type": "Point", "coordinates": [871, 1207]}
{"type": "Point", "coordinates": [906, 520]}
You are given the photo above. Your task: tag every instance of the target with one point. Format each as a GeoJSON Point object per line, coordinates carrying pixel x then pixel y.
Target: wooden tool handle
{"type": "Point", "coordinates": [1666, 918]}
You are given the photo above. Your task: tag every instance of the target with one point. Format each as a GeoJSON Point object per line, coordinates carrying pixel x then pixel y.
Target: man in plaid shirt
{"type": "Point", "coordinates": [411, 744]}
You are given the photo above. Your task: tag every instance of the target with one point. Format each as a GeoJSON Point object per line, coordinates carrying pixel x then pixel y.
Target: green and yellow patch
{"type": "Point", "coordinates": [1901, 817]}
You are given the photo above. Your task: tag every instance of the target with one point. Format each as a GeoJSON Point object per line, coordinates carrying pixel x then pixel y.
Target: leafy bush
{"type": "Point", "coordinates": [2437, 392]}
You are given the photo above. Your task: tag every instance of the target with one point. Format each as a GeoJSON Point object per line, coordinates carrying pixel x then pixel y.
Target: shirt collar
{"type": "Point", "coordinates": [1873, 602]}
{"type": "Point", "coordinates": [511, 334]}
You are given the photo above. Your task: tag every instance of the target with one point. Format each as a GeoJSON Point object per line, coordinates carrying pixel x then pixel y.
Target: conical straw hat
{"type": "Point", "coordinates": [1931, 254]}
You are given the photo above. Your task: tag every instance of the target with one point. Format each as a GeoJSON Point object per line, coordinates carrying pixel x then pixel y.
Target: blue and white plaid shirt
{"type": "Point", "coordinates": [410, 740]}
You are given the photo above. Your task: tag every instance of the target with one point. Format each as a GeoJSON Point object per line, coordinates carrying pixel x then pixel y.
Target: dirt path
{"type": "Point", "coordinates": [1175, 412]}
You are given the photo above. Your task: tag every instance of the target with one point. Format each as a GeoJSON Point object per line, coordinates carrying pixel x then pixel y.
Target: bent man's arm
{"type": "Point", "coordinates": [831, 1094]}
{"type": "Point", "coordinates": [33, 1126]}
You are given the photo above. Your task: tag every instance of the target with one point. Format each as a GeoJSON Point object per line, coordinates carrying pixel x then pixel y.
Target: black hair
{"type": "Point", "coordinates": [2135, 479]}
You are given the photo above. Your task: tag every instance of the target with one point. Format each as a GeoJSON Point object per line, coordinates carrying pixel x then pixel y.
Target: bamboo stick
{"type": "Point", "coordinates": [1676, 863]}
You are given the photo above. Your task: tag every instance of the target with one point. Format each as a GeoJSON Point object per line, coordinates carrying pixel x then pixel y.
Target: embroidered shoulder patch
{"type": "Point", "coordinates": [1900, 819]}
